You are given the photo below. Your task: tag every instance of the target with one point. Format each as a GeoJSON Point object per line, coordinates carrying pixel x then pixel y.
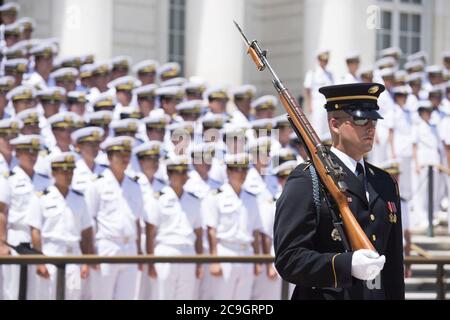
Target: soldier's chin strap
{"type": "Point", "coordinates": [337, 221]}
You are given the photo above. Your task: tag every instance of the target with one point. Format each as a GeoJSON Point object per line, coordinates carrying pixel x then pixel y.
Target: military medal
{"type": "Point", "coordinates": [392, 212]}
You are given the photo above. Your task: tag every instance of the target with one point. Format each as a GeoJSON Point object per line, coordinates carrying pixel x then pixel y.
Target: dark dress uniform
{"type": "Point", "coordinates": [308, 253]}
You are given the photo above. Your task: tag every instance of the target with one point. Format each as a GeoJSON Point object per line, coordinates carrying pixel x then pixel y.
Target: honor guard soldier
{"type": "Point", "coordinates": [146, 71]}
{"type": "Point", "coordinates": [8, 12]}
{"type": "Point", "coordinates": [120, 66]}
{"type": "Point", "coordinates": [243, 96]}
{"type": "Point", "coordinates": [16, 194]}
{"type": "Point", "coordinates": [115, 203]}
{"type": "Point", "coordinates": [43, 54]}
{"type": "Point", "coordinates": [264, 107]}
{"type": "Point", "coordinates": [174, 227]}
{"type": "Point", "coordinates": [61, 226]}
{"type": "Point", "coordinates": [51, 100]}
{"type": "Point", "coordinates": [193, 90]}
{"type": "Point", "coordinates": [30, 121]}
{"type": "Point", "coordinates": [169, 97]}
{"type": "Point", "coordinates": [87, 142]}
{"type": "Point", "coordinates": [168, 71]}
{"type": "Point", "coordinates": [309, 251]}
{"type": "Point", "coordinates": [16, 69]}
{"type": "Point", "coordinates": [145, 96]}
{"type": "Point", "coordinates": [6, 85]}
{"type": "Point", "coordinates": [9, 129]}
{"type": "Point", "coordinates": [233, 230]}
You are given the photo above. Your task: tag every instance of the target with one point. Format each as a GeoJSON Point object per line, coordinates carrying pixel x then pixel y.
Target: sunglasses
{"type": "Point", "coordinates": [360, 122]}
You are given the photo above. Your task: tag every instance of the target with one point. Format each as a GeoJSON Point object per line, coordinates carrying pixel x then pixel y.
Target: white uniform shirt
{"type": "Point", "coordinates": [235, 217]}
{"type": "Point", "coordinates": [18, 190]}
{"type": "Point", "coordinates": [426, 137]}
{"type": "Point", "coordinates": [82, 175]}
{"type": "Point", "coordinates": [60, 219]}
{"type": "Point", "coordinates": [35, 80]}
{"type": "Point", "coordinates": [401, 121]}
{"type": "Point", "coordinates": [175, 218]}
{"type": "Point", "coordinates": [349, 78]}
{"type": "Point", "coordinates": [115, 207]}
{"type": "Point", "coordinates": [5, 168]}
{"type": "Point", "coordinates": [198, 186]}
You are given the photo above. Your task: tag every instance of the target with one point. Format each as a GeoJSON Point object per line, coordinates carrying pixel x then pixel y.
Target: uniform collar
{"type": "Point", "coordinates": [348, 161]}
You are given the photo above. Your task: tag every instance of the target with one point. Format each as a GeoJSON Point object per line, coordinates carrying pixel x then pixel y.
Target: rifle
{"type": "Point", "coordinates": [329, 172]}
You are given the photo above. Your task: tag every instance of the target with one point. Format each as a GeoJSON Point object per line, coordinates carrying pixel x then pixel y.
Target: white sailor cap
{"type": "Point", "coordinates": [51, 94]}
{"type": "Point", "coordinates": [10, 126]}
{"type": "Point", "coordinates": [64, 119]}
{"type": "Point", "coordinates": [400, 75]}
{"type": "Point", "coordinates": [266, 123]}
{"type": "Point", "coordinates": [182, 127]}
{"type": "Point", "coordinates": [415, 77]}
{"type": "Point", "coordinates": [323, 53]}
{"type": "Point", "coordinates": [16, 51]}
{"type": "Point", "coordinates": [233, 129]}
{"type": "Point", "coordinates": [68, 62]}
{"type": "Point", "coordinates": [102, 67]}
{"type": "Point", "coordinates": [246, 91]}
{"type": "Point", "coordinates": [104, 100]}
{"type": "Point", "coordinates": [391, 166]}
{"type": "Point", "coordinates": [425, 105]}
{"type": "Point", "coordinates": [420, 55]}
{"type": "Point", "coordinates": [16, 66]}
{"type": "Point", "coordinates": [62, 161]}
{"type": "Point", "coordinates": [12, 29]}
{"type": "Point", "coordinates": [149, 148]}
{"type": "Point", "coordinates": [391, 52]}
{"type": "Point", "coordinates": [27, 142]}
{"type": "Point", "coordinates": [87, 134]}
{"type": "Point", "coordinates": [124, 125]}
{"type": "Point", "coordinates": [178, 163]}
{"type": "Point", "coordinates": [6, 84]}
{"type": "Point", "coordinates": [121, 62]}
{"type": "Point", "coordinates": [260, 143]}
{"type": "Point", "coordinates": [86, 70]}
{"type": "Point", "coordinates": [76, 97]}
{"type": "Point", "coordinates": [10, 7]}
{"type": "Point", "coordinates": [87, 58]}
{"type": "Point", "coordinates": [190, 107]}
{"type": "Point", "coordinates": [67, 73]}
{"type": "Point", "coordinates": [237, 160]}
{"type": "Point", "coordinates": [157, 119]}
{"type": "Point", "coordinates": [265, 102]}
{"type": "Point", "coordinates": [170, 92]}
{"type": "Point", "coordinates": [386, 62]}
{"type": "Point", "coordinates": [387, 73]}
{"type": "Point", "coordinates": [282, 155]}
{"type": "Point", "coordinates": [99, 118]}
{"type": "Point", "coordinates": [22, 92]}
{"type": "Point", "coordinates": [44, 49]}
{"type": "Point", "coordinates": [353, 55]}
{"type": "Point", "coordinates": [29, 116]}
{"type": "Point", "coordinates": [285, 168]}
{"type": "Point", "coordinates": [446, 55]}
{"type": "Point", "coordinates": [401, 90]}
{"type": "Point", "coordinates": [119, 143]}
{"type": "Point", "coordinates": [216, 92]}
{"type": "Point", "coordinates": [178, 81]}
{"type": "Point", "coordinates": [194, 87]}
{"type": "Point", "coordinates": [169, 70]}
{"type": "Point", "coordinates": [146, 91]}
{"type": "Point", "coordinates": [27, 23]}
{"type": "Point", "coordinates": [125, 83]}
{"type": "Point", "coordinates": [415, 65]}
{"type": "Point", "coordinates": [281, 121]}
{"type": "Point", "coordinates": [366, 71]}
{"type": "Point", "coordinates": [214, 120]}
{"type": "Point", "coordinates": [436, 90]}
{"type": "Point", "coordinates": [434, 69]}
{"type": "Point", "coordinates": [146, 66]}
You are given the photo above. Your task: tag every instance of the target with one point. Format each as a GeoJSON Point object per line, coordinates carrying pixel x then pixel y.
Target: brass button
{"type": "Point", "coordinates": [372, 217]}
{"type": "Point", "coordinates": [374, 237]}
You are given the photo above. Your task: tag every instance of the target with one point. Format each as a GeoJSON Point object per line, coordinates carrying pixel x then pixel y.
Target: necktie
{"type": "Point", "coordinates": [360, 174]}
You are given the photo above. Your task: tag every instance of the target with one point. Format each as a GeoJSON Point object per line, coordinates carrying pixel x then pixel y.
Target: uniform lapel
{"type": "Point", "coordinates": [372, 186]}
{"type": "Point", "coordinates": [354, 186]}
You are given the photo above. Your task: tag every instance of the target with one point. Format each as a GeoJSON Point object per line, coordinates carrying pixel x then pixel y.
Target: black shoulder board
{"type": "Point", "coordinates": [135, 178]}
{"type": "Point", "coordinates": [78, 193]}
{"type": "Point", "coordinates": [43, 175]}
{"type": "Point", "coordinates": [160, 180]}
{"type": "Point", "coordinates": [100, 176]}
{"type": "Point", "coordinates": [45, 191]}
{"type": "Point", "coordinates": [104, 165]}
{"type": "Point", "coordinates": [253, 194]}
{"type": "Point", "coordinates": [11, 173]}
{"type": "Point", "coordinates": [193, 195]}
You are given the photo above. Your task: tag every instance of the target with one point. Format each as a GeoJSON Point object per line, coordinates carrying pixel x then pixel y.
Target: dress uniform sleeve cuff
{"type": "Point", "coordinates": [342, 270]}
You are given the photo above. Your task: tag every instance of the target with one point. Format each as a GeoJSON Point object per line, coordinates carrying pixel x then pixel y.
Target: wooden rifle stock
{"type": "Point", "coordinates": [330, 174]}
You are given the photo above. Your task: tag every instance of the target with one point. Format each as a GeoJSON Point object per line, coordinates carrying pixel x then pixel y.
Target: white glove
{"type": "Point", "coordinates": [367, 264]}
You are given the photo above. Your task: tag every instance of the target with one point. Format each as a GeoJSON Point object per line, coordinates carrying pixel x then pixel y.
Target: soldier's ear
{"type": "Point", "coordinates": [333, 124]}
